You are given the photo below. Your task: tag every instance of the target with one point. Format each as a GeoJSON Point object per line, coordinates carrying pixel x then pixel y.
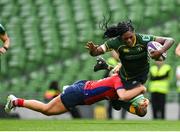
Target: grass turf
{"type": "Point", "coordinates": [88, 125]}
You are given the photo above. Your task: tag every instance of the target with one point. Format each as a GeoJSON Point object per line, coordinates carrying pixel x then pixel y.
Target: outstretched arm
{"type": "Point", "coordinates": [94, 50]}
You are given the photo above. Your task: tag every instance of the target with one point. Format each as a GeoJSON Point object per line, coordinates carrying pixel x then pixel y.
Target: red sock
{"type": "Point", "coordinates": [18, 102]}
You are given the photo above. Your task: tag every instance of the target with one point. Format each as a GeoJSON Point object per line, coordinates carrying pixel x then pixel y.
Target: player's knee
{"type": "Point", "coordinates": [46, 110]}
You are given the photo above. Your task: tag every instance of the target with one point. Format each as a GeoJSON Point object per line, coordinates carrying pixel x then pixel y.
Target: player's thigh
{"type": "Point", "coordinates": [56, 106]}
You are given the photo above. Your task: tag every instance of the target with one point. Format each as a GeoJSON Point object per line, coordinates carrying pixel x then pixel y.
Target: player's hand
{"type": "Point", "coordinates": [100, 65]}
{"type": "Point", "coordinates": [2, 50]}
{"type": "Point", "coordinates": [144, 103]}
{"type": "Point", "coordinates": [116, 68]}
{"type": "Point", "coordinates": [91, 46]}
{"type": "Point", "coordinates": [156, 54]}
{"type": "Point", "coordinates": [144, 90]}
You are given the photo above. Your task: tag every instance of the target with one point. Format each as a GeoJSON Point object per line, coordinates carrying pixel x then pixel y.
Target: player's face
{"type": "Point", "coordinates": [129, 38]}
{"type": "Point", "coordinates": [141, 110]}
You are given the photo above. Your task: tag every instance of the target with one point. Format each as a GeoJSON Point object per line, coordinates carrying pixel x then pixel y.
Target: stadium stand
{"type": "Point", "coordinates": [48, 38]}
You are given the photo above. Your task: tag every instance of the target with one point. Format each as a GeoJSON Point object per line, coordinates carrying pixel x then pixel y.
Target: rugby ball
{"type": "Point", "coordinates": [153, 45]}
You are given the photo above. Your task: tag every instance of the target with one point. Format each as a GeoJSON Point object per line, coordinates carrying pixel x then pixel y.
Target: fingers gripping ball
{"type": "Point", "coordinates": [152, 46]}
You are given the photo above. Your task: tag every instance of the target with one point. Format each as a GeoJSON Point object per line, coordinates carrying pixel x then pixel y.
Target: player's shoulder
{"type": "Point", "coordinates": [113, 40]}
{"type": "Point", "coordinates": [145, 37]}
{"type": "Point", "coordinates": [112, 43]}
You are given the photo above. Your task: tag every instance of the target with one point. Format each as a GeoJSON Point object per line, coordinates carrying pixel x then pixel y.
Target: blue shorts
{"type": "Point", "coordinates": [73, 95]}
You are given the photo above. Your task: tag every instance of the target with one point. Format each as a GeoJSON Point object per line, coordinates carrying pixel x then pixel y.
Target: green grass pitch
{"type": "Point", "coordinates": [88, 125]}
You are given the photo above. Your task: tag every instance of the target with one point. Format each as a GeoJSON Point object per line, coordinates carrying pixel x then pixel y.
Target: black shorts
{"type": "Point", "coordinates": [141, 79]}
{"type": "Point", "coordinates": [73, 95]}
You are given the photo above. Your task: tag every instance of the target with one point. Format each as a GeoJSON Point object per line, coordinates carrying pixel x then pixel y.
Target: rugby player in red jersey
{"type": "Point", "coordinates": [84, 92]}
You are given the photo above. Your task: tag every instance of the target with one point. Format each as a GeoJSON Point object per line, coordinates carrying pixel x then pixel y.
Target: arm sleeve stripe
{"type": "Point", "coordinates": [104, 47]}
{"type": "Point", "coordinates": [119, 88]}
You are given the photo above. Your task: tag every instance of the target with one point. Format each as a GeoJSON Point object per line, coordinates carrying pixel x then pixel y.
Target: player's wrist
{"type": "Point", "coordinates": [92, 53]}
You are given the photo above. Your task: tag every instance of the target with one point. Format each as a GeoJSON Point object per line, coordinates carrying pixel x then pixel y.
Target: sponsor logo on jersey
{"type": "Point", "coordinates": [134, 82]}
{"type": "Point", "coordinates": [139, 49]}
{"type": "Point", "coordinates": [126, 50]}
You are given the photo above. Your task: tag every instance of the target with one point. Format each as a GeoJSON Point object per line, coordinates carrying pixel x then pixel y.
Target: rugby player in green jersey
{"type": "Point", "coordinates": [133, 54]}
{"type": "Point", "coordinates": [5, 39]}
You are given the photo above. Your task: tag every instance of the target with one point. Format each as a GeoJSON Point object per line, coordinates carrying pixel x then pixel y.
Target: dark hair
{"type": "Point", "coordinates": [141, 111]}
{"type": "Point", "coordinates": [54, 85]}
{"type": "Point", "coordinates": [118, 30]}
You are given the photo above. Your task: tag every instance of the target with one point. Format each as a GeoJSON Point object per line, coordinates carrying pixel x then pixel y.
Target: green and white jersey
{"type": "Point", "coordinates": [2, 30]}
{"type": "Point", "coordinates": [134, 59]}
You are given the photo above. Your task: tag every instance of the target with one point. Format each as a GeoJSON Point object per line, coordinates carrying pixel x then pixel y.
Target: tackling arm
{"type": "Point", "coordinates": [94, 50]}
{"type": "Point", "coordinates": [126, 95]}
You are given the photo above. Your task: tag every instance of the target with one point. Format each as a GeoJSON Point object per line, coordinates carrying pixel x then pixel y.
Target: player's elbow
{"type": "Point", "coordinates": [171, 40]}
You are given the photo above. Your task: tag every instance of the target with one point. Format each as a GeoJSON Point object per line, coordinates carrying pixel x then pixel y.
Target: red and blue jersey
{"type": "Point", "coordinates": [95, 91]}
{"type": "Point", "coordinates": [85, 92]}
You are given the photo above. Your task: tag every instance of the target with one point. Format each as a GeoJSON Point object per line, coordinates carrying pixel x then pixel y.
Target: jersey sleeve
{"type": "Point", "coordinates": [112, 44]}
{"type": "Point", "coordinates": [2, 30]}
{"type": "Point", "coordinates": [144, 38]}
{"type": "Point", "coordinates": [118, 83]}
